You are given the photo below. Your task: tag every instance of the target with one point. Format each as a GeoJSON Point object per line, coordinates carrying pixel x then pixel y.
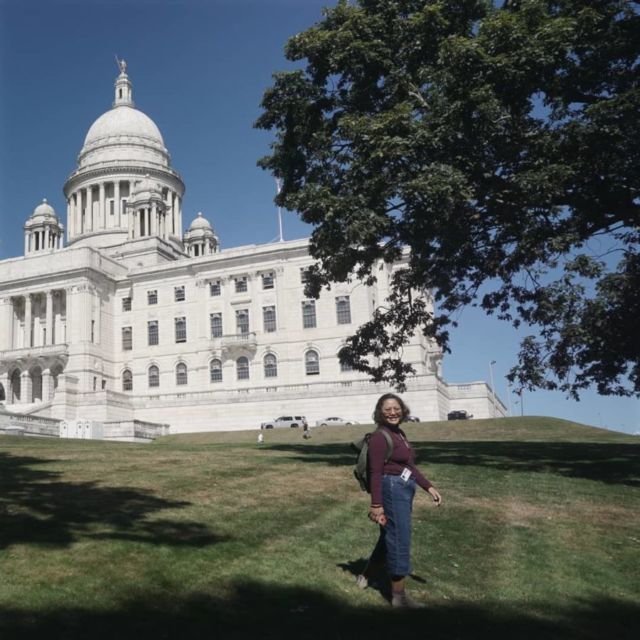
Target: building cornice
{"type": "Point", "coordinates": [113, 170]}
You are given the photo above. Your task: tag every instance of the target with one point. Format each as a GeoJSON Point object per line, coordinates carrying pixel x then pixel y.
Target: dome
{"type": "Point", "coordinates": [123, 122]}
{"type": "Point", "coordinates": [200, 223]}
{"type": "Point", "coordinates": [44, 210]}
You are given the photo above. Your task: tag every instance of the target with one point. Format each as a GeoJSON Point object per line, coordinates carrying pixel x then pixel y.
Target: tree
{"type": "Point", "coordinates": [499, 144]}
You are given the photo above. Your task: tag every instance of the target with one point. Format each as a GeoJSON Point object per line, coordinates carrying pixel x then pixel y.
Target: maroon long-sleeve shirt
{"type": "Point", "coordinates": [403, 456]}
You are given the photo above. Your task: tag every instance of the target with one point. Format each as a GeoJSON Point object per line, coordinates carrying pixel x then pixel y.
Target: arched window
{"type": "Point", "coordinates": [2, 393]}
{"type": "Point", "coordinates": [154, 376]}
{"type": "Point", "coordinates": [36, 384]}
{"type": "Point", "coordinates": [127, 380]}
{"type": "Point", "coordinates": [181, 373]}
{"type": "Point", "coordinates": [270, 366]}
{"type": "Point", "coordinates": [312, 363]}
{"type": "Point", "coordinates": [215, 371]}
{"type": "Point", "coordinates": [344, 366]}
{"type": "Point", "coordinates": [242, 368]}
{"type": "Point", "coordinates": [56, 370]}
{"type": "Point", "coordinates": [16, 381]}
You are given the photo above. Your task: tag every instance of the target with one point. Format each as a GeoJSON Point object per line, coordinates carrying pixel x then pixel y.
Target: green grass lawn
{"type": "Point", "coordinates": [205, 536]}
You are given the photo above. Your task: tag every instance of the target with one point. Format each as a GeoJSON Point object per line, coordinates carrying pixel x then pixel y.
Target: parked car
{"type": "Point", "coordinates": [292, 422]}
{"type": "Point", "coordinates": [412, 419]}
{"type": "Point", "coordinates": [335, 422]}
{"type": "Point", "coordinates": [459, 415]}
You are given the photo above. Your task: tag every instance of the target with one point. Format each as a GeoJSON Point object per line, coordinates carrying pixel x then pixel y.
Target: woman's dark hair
{"type": "Point", "coordinates": [378, 416]}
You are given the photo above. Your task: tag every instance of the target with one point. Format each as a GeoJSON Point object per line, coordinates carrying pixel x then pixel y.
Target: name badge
{"type": "Point", "coordinates": [406, 474]}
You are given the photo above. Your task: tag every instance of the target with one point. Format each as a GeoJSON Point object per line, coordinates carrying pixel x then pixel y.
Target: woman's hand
{"type": "Point", "coordinates": [437, 498]}
{"type": "Point", "coordinates": [376, 514]}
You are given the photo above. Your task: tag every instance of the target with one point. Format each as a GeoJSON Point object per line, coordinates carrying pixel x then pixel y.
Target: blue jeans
{"type": "Point", "coordinates": [394, 542]}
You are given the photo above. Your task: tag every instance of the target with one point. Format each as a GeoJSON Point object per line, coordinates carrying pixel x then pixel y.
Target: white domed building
{"type": "Point", "coordinates": [133, 328]}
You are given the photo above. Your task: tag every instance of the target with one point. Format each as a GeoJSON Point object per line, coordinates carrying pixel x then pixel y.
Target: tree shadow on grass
{"type": "Point", "coordinates": [612, 463]}
{"type": "Point", "coordinates": [38, 507]}
{"type": "Point", "coordinates": [255, 610]}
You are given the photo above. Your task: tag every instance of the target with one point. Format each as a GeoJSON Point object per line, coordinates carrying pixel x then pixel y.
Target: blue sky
{"type": "Point", "coordinates": [199, 68]}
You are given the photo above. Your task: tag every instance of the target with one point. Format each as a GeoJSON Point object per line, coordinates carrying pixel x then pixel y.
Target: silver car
{"type": "Point", "coordinates": [335, 422]}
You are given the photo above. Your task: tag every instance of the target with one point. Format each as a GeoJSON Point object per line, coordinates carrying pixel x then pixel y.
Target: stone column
{"type": "Point", "coordinates": [88, 209]}
{"type": "Point", "coordinates": [86, 313]}
{"type": "Point", "coordinates": [77, 221]}
{"type": "Point", "coordinates": [27, 321]}
{"type": "Point", "coordinates": [47, 238]}
{"type": "Point", "coordinates": [49, 316]}
{"type": "Point", "coordinates": [96, 308]}
{"type": "Point", "coordinates": [70, 319]}
{"type": "Point", "coordinates": [26, 388]}
{"type": "Point", "coordinates": [6, 385]}
{"type": "Point", "coordinates": [178, 217]}
{"type": "Point", "coordinates": [170, 212]}
{"type": "Point", "coordinates": [69, 217]}
{"type": "Point", "coordinates": [6, 324]}
{"type": "Point", "coordinates": [154, 219]}
{"type": "Point", "coordinates": [47, 385]}
{"type": "Point", "coordinates": [27, 234]}
{"type": "Point", "coordinates": [103, 219]}
{"type": "Point", "coordinates": [116, 203]}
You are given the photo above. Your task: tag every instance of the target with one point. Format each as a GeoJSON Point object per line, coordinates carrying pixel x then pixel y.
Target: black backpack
{"type": "Point", "coordinates": [361, 447]}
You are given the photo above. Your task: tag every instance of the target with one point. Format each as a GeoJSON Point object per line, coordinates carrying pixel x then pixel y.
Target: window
{"type": "Point", "coordinates": [215, 289]}
{"type": "Point", "coordinates": [304, 275]}
{"type": "Point", "coordinates": [152, 296]}
{"type": "Point", "coordinates": [215, 320]}
{"type": "Point", "coordinates": [127, 339]}
{"type": "Point", "coordinates": [152, 332]}
{"type": "Point", "coordinates": [154, 376]}
{"type": "Point", "coordinates": [343, 310]}
{"type": "Point", "coordinates": [181, 329]}
{"type": "Point", "coordinates": [267, 280]}
{"type": "Point", "coordinates": [308, 314]}
{"type": "Point", "coordinates": [215, 371]}
{"type": "Point", "coordinates": [126, 304]}
{"type": "Point", "coordinates": [270, 366]}
{"type": "Point", "coordinates": [93, 332]}
{"type": "Point", "coordinates": [181, 373]}
{"type": "Point", "coordinates": [127, 380]}
{"type": "Point", "coordinates": [311, 363]}
{"type": "Point", "coordinates": [344, 366]}
{"type": "Point", "coordinates": [241, 284]}
{"type": "Point", "coordinates": [242, 321]}
{"type": "Point", "coordinates": [242, 368]}
{"type": "Point", "coordinates": [178, 293]}
{"type": "Point", "coordinates": [269, 319]}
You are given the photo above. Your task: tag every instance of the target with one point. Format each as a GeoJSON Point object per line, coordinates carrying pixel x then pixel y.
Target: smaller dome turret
{"type": "Point", "coordinates": [42, 230]}
{"type": "Point", "coordinates": [200, 239]}
{"type": "Point", "coordinates": [200, 222]}
{"type": "Point", "coordinates": [43, 210]}
{"type": "Point", "coordinates": [146, 189]}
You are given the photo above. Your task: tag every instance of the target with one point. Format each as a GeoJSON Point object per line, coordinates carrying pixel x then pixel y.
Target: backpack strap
{"type": "Point", "coordinates": [387, 437]}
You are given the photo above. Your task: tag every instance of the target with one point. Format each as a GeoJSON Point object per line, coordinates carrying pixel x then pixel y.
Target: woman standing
{"type": "Point", "coordinates": [393, 482]}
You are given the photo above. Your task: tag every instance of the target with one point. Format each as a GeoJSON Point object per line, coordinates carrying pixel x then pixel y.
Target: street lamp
{"type": "Point", "coordinates": [493, 388]}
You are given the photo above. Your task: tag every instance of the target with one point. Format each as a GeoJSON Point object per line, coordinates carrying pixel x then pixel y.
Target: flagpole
{"type": "Point", "coordinates": [278, 188]}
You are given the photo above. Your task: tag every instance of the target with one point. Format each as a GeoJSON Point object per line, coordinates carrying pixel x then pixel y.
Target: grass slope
{"type": "Point", "coordinates": [206, 534]}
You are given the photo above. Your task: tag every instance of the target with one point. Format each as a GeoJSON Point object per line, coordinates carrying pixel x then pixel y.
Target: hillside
{"type": "Point", "coordinates": [212, 535]}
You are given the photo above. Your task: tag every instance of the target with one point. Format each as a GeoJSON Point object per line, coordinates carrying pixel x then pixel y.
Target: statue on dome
{"type": "Point", "coordinates": [122, 64]}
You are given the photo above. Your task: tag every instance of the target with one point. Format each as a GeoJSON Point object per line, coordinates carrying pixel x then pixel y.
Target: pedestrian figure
{"type": "Point", "coordinates": [393, 481]}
